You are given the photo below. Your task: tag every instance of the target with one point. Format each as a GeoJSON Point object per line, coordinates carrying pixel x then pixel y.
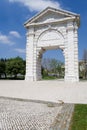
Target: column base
{"type": "Point", "coordinates": [38, 78]}
{"type": "Point", "coordinates": [71, 78]}
{"type": "Point", "coordinates": [29, 78]}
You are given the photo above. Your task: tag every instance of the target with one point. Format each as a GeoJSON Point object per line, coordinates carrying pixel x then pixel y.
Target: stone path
{"type": "Point", "coordinates": [25, 115]}
{"type": "Point", "coordinates": [62, 120]}
{"type": "Point", "coordinates": [50, 91]}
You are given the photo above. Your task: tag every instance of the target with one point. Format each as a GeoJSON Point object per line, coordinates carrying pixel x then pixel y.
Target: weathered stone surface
{"type": "Point", "coordinates": [24, 115]}
{"type": "Point", "coordinates": [52, 29]}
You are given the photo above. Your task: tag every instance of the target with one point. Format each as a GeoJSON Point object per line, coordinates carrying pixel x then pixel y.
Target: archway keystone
{"type": "Point", "coordinates": [52, 29]}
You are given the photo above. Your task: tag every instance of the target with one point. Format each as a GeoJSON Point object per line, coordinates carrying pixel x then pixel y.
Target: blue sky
{"type": "Point", "coordinates": [13, 14]}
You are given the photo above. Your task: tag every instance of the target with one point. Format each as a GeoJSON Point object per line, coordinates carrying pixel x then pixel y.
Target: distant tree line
{"type": "Point", "coordinates": [53, 68]}
{"type": "Point", "coordinates": [12, 68]}
{"type": "Point", "coordinates": [83, 66]}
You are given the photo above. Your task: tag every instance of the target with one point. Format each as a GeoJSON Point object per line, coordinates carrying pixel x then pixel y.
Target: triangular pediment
{"type": "Point", "coordinates": [50, 15]}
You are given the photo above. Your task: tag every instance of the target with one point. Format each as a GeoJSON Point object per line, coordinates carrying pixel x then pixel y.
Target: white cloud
{"type": "Point", "coordinates": [38, 5]}
{"type": "Point", "coordinates": [15, 34]}
{"type": "Point", "coordinates": [5, 39]}
{"type": "Point", "coordinates": [9, 39]}
{"type": "Point", "coordinates": [19, 50]}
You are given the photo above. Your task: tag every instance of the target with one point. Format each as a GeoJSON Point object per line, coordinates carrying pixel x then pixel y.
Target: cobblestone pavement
{"type": "Point", "coordinates": [25, 115]}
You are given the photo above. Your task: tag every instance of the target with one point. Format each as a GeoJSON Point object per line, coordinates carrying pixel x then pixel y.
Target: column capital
{"type": "Point", "coordinates": [75, 27]}
{"type": "Point", "coordinates": [70, 26]}
{"type": "Point", "coordinates": [30, 34]}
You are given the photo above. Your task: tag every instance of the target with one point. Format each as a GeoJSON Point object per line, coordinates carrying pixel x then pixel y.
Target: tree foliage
{"type": "Point", "coordinates": [53, 67]}
{"type": "Point", "coordinates": [12, 67]}
{"type": "Point", "coordinates": [15, 66]}
{"type": "Point", "coordinates": [85, 63]}
{"type": "Point", "coordinates": [2, 67]}
{"type": "Point", "coordinates": [85, 55]}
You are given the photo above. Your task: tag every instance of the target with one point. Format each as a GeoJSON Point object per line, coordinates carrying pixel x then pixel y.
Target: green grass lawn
{"type": "Point", "coordinates": [79, 119]}
{"type": "Point", "coordinates": [48, 78]}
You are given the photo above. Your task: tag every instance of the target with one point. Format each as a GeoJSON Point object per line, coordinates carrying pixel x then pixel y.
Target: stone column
{"type": "Point", "coordinates": [29, 54]}
{"type": "Point", "coordinates": [76, 61]}
{"type": "Point", "coordinates": [35, 62]}
{"type": "Point", "coordinates": [71, 65]}
{"type": "Point", "coordinates": [38, 64]}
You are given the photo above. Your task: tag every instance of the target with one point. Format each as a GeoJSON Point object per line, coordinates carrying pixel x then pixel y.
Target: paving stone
{"type": "Point", "coordinates": [25, 115]}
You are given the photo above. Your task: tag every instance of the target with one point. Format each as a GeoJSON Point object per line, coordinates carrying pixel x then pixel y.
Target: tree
{"type": "Point", "coordinates": [15, 66]}
{"type": "Point", "coordinates": [2, 67]}
{"type": "Point", "coordinates": [56, 67]}
{"type": "Point", "coordinates": [45, 66]}
{"type": "Point", "coordinates": [46, 63]}
{"type": "Point", "coordinates": [52, 66]}
{"type": "Point", "coordinates": [85, 63]}
{"type": "Point", "coordinates": [85, 55]}
{"type": "Point", "coordinates": [60, 69]}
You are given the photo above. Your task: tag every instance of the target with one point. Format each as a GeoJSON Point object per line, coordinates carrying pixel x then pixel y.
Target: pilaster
{"type": "Point", "coordinates": [70, 72]}
{"type": "Point", "coordinates": [76, 61]}
{"type": "Point", "coordinates": [29, 55]}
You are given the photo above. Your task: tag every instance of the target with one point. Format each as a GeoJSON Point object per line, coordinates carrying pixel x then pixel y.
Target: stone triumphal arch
{"type": "Point", "coordinates": [51, 29]}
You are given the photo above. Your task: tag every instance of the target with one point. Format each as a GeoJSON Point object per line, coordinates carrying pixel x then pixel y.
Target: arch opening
{"type": "Point", "coordinates": [48, 41]}
{"type": "Point", "coordinates": [51, 64]}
